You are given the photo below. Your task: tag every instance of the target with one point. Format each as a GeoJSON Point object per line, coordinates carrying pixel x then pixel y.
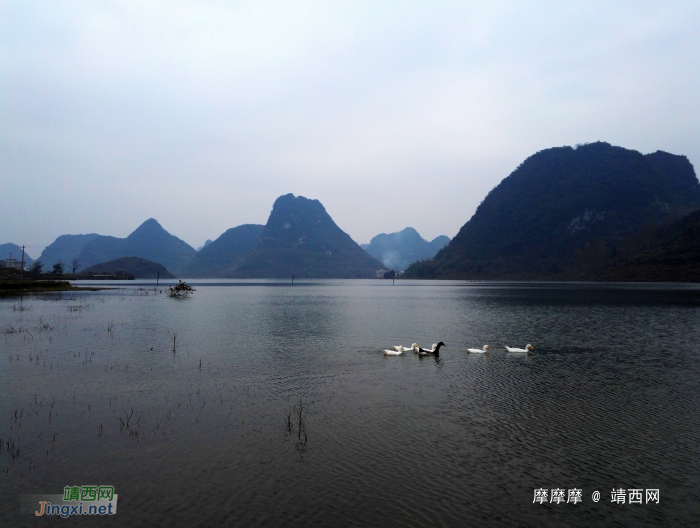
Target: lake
{"type": "Point", "coordinates": [262, 403]}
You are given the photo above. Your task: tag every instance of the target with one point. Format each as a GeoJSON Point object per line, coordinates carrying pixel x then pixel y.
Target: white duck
{"type": "Point", "coordinates": [478, 350]}
{"type": "Point", "coordinates": [528, 347]}
{"type": "Point", "coordinates": [400, 348]}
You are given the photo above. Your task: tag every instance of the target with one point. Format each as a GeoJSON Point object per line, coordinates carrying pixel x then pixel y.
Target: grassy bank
{"type": "Point", "coordinates": [29, 286]}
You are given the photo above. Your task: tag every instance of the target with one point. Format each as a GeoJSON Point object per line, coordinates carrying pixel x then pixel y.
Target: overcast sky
{"type": "Point", "coordinates": [392, 114]}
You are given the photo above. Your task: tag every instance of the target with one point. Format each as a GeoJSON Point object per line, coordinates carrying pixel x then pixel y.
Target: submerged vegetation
{"type": "Point", "coordinates": [180, 291]}
{"type": "Point", "coordinates": [43, 418]}
{"type": "Point", "coordinates": [297, 416]}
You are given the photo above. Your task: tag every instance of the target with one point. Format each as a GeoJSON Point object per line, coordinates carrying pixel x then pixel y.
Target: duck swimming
{"type": "Point", "coordinates": [528, 347]}
{"type": "Point", "coordinates": [478, 350]}
{"type": "Point", "coordinates": [406, 349]}
{"type": "Point", "coordinates": [435, 351]}
{"type": "Point", "coordinates": [398, 350]}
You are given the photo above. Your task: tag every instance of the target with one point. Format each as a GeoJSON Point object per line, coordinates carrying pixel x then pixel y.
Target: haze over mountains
{"type": "Point", "coordinates": [65, 248]}
{"type": "Point", "coordinates": [397, 250]}
{"type": "Point", "coordinates": [299, 239]}
{"type": "Point", "coordinates": [565, 212]}
{"type": "Point", "coordinates": [206, 243]}
{"type": "Point", "coordinates": [591, 212]}
{"type": "Point", "coordinates": [13, 251]}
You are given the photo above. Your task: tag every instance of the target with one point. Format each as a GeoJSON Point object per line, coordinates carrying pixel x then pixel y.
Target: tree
{"type": "Point", "coordinates": [58, 268]}
{"type": "Point", "coordinates": [36, 266]}
{"type": "Point", "coordinates": [75, 265]}
{"type": "Point", "coordinates": [180, 291]}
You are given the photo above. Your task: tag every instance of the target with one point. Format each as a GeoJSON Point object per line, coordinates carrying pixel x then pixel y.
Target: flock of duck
{"type": "Point", "coordinates": [435, 350]}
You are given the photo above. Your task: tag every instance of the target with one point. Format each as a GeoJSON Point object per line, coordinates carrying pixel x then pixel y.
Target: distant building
{"type": "Point", "coordinates": [12, 264]}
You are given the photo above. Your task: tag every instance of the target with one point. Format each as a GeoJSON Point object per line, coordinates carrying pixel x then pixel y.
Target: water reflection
{"type": "Point", "coordinates": [609, 397]}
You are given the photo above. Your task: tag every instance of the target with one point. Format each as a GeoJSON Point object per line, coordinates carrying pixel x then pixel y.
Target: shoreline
{"type": "Point", "coordinates": [39, 286]}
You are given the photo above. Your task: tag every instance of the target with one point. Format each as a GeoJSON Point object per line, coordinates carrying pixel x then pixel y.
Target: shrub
{"type": "Point", "coordinates": [180, 291]}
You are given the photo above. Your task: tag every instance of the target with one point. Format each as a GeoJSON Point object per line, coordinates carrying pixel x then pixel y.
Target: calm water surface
{"type": "Point", "coordinates": [609, 399]}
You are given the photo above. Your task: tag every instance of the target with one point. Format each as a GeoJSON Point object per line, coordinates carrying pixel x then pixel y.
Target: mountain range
{"type": "Point", "coordinates": [299, 239]}
{"type": "Point", "coordinates": [149, 241]}
{"type": "Point", "coordinates": [65, 249]}
{"type": "Point", "coordinates": [590, 212]}
{"type": "Point", "coordinates": [397, 250]}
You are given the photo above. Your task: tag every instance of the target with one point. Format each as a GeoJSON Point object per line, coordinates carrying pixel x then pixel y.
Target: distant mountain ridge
{"type": "Point", "coordinates": [560, 205]}
{"type": "Point", "coordinates": [149, 241]}
{"type": "Point", "coordinates": [10, 250]}
{"type": "Point", "coordinates": [220, 258]}
{"type": "Point", "coordinates": [206, 243]}
{"type": "Point", "coordinates": [397, 250]}
{"type": "Point", "coordinates": [301, 239]}
{"type": "Point", "coordinates": [65, 248]}
{"type": "Point", "coordinates": [594, 212]}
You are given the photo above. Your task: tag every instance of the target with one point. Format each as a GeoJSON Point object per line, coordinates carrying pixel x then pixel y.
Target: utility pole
{"type": "Point", "coordinates": [23, 246]}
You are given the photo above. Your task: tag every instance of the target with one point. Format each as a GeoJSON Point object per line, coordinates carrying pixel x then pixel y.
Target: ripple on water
{"type": "Point", "coordinates": [608, 398]}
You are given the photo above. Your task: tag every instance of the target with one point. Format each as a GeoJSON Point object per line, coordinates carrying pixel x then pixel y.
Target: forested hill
{"type": "Point", "coordinates": [221, 257]}
{"type": "Point", "coordinates": [558, 204]}
{"type": "Point", "coordinates": [136, 267]}
{"type": "Point", "coordinates": [671, 253]}
{"type": "Point", "coordinates": [301, 239]}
